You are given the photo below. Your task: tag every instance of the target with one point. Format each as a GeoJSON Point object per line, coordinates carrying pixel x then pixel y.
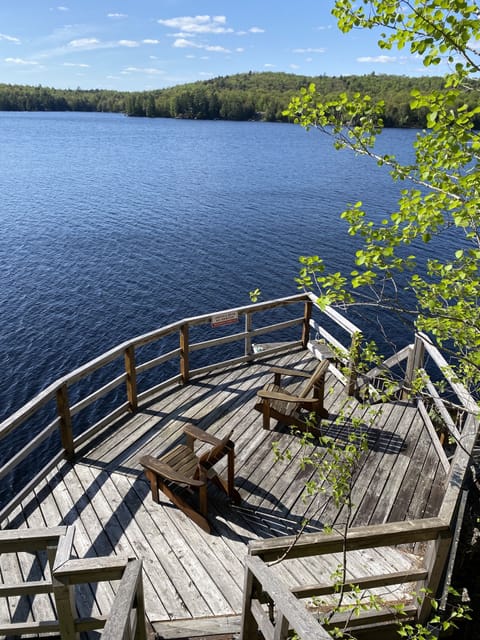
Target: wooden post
{"type": "Point", "coordinates": [121, 624]}
{"type": "Point", "coordinates": [248, 338]}
{"type": "Point", "coordinates": [141, 627]}
{"type": "Point", "coordinates": [64, 594]}
{"type": "Point", "coordinates": [307, 315]}
{"type": "Point", "coordinates": [249, 625]}
{"type": "Point", "coordinates": [436, 557]}
{"type": "Point", "coordinates": [66, 432]}
{"type": "Point", "coordinates": [131, 378]}
{"type": "Point", "coordinates": [184, 354]}
{"type": "Point", "coordinates": [281, 628]}
{"type": "Point", "coordinates": [414, 363]}
{"type": "Point", "coordinates": [65, 603]}
{"type": "Point", "coordinates": [353, 363]}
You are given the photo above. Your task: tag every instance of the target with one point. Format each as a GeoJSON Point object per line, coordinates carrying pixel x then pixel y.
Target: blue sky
{"type": "Point", "coordinates": [136, 45]}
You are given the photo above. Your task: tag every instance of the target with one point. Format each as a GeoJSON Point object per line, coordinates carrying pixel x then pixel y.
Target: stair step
{"type": "Point", "coordinates": [209, 628]}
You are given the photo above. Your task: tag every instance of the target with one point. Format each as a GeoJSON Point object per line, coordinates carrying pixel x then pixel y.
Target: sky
{"type": "Point", "coordinates": [138, 45]}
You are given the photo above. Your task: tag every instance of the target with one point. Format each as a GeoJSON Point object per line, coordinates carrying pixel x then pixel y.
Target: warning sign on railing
{"type": "Point", "coordinates": [221, 319]}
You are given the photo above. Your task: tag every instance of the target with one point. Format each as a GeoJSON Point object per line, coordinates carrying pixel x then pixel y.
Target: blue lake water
{"type": "Point", "coordinates": [113, 226]}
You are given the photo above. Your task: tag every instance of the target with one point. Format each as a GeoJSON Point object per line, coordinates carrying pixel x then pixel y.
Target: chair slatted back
{"type": "Point", "coordinates": [320, 371]}
{"type": "Point", "coordinates": [216, 453]}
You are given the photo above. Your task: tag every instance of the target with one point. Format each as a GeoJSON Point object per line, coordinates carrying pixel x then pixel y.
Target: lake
{"type": "Point", "coordinates": [113, 226]}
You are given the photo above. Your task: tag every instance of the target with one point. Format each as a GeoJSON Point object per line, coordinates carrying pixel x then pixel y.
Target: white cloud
{"type": "Point", "coordinates": [127, 43]}
{"type": "Point", "coordinates": [197, 24]}
{"type": "Point", "coordinates": [256, 30]}
{"type": "Point", "coordinates": [329, 26]}
{"type": "Point", "coordinates": [151, 71]}
{"type": "Point", "coordinates": [310, 50]}
{"type": "Point", "coordinates": [84, 43]}
{"type": "Point", "coordinates": [20, 61]}
{"type": "Point", "coordinates": [239, 49]}
{"type": "Point", "coordinates": [269, 66]}
{"type": "Point", "coordinates": [150, 41]}
{"type": "Point", "coordinates": [294, 66]}
{"type": "Point", "coordinates": [216, 48]}
{"type": "Point", "coordinates": [61, 8]}
{"type": "Point", "coordinates": [183, 43]}
{"type": "Point", "coordinates": [3, 36]}
{"type": "Point", "coordinates": [74, 64]}
{"type": "Point", "coordinates": [380, 59]}
{"type": "Point", "coordinates": [90, 44]}
{"type": "Point", "coordinates": [117, 15]}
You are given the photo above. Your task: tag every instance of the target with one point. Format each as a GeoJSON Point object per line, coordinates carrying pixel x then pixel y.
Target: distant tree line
{"type": "Point", "coordinates": [38, 98]}
{"type": "Point", "coordinates": [245, 96]}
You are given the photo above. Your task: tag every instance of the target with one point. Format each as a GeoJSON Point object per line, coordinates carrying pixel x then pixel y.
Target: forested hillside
{"type": "Point", "coordinates": [246, 96]}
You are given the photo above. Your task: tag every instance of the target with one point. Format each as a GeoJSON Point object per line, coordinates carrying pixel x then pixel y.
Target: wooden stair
{"type": "Point", "coordinates": [207, 628]}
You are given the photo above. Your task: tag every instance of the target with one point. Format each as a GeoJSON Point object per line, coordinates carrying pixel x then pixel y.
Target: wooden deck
{"type": "Point", "coordinates": [188, 573]}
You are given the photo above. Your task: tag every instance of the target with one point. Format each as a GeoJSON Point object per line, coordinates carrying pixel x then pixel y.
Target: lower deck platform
{"type": "Point", "coordinates": [189, 573]}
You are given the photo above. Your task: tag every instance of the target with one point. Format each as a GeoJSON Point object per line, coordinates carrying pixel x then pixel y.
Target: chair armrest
{"type": "Point", "coordinates": [199, 434]}
{"type": "Point", "coordinates": [290, 372]}
{"type": "Point", "coordinates": [285, 397]}
{"type": "Point", "coordinates": [166, 472]}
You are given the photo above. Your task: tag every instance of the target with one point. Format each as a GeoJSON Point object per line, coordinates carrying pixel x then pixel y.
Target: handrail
{"type": "Point", "coordinates": [427, 578]}
{"type": "Point", "coordinates": [121, 625]}
{"type": "Point", "coordinates": [378, 535]}
{"type": "Point", "coordinates": [260, 581]}
{"type": "Point", "coordinates": [461, 392]}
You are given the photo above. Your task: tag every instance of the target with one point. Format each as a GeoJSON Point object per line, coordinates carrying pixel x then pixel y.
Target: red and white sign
{"type": "Point", "coordinates": [221, 319]}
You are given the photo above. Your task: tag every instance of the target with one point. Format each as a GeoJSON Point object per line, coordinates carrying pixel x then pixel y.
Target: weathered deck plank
{"type": "Point", "coordinates": [189, 573]}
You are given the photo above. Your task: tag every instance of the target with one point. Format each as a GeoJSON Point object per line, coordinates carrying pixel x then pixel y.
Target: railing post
{"type": "Point", "coordinates": [248, 337]}
{"type": "Point", "coordinates": [307, 316]}
{"type": "Point", "coordinates": [66, 432]}
{"type": "Point", "coordinates": [436, 556]}
{"type": "Point", "coordinates": [249, 627]}
{"type": "Point", "coordinates": [131, 378]}
{"type": "Point", "coordinates": [127, 619]}
{"type": "Point", "coordinates": [415, 362]}
{"type": "Point", "coordinates": [64, 594]}
{"type": "Point", "coordinates": [353, 363]}
{"type": "Point", "coordinates": [140, 630]}
{"type": "Point", "coordinates": [184, 354]}
{"type": "Point", "coordinates": [281, 628]}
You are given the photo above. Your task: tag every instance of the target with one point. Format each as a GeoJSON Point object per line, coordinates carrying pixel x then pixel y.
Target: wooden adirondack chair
{"type": "Point", "coordinates": [183, 468]}
{"type": "Point", "coordinates": [274, 401]}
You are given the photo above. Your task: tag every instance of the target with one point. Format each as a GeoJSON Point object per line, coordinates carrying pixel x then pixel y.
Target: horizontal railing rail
{"type": "Point", "coordinates": [434, 531]}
